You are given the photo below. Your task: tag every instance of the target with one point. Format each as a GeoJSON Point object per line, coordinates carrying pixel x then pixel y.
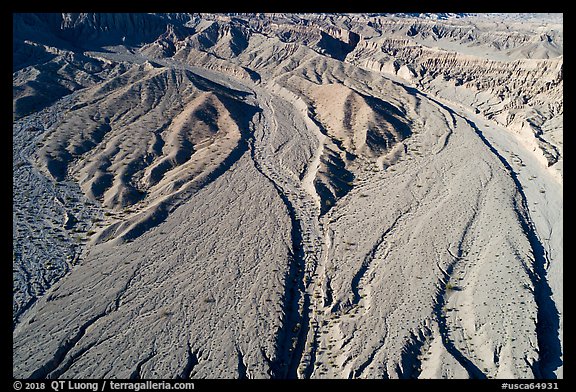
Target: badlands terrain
{"type": "Point", "coordinates": [287, 196]}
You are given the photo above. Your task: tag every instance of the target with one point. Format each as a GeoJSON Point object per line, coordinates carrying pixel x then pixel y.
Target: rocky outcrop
{"type": "Point", "coordinates": [516, 82]}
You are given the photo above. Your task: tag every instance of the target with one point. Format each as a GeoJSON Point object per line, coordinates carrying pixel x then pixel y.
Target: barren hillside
{"type": "Point", "coordinates": [287, 196]}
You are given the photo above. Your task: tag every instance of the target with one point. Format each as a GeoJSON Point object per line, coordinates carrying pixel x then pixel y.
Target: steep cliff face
{"type": "Point", "coordinates": [514, 78]}
{"type": "Point", "coordinates": [90, 29]}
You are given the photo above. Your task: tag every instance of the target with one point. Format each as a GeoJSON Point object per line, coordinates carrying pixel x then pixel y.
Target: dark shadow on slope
{"type": "Point", "coordinates": [255, 76]}
{"type": "Point", "coordinates": [241, 113]}
{"type": "Point", "coordinates": [39, 96]}
{"type": "Point", "coordinates": [58, 357]}
{"type": "Point", "coordinates": [333, 180]}
{"type": "Point", "coordinates": [96, 30]}
{"type": "Point", "coordinates": [191, 362]}
{"type": "Point", "coordinates": [205, 84]}
{"type": "Point", "coordinates": [295, 324]}
{"type": "Point", "coordinates": [473, 371]}
{"type": "Point", "coordinates": [292, 334]}
{"type": "Point", "coordinates": [57, 77]}
{"type": "Point", "coordinates": [391, 114]}
{"type": "Point", "coordinates": [411, 364]}
{"type": "Point", "coordinates": [25, 55]}
{"type": "Point", "coordinates": [239, 39]}
{"type": "Point", "coordinates": [58, 166]}
{"type": "Point", "coordinates": [548, 325]}
{"type": "Point", "coordinates": [336, 48]}
{"type": "Point", "coordinates": [92, 137]}
{"type": "Point", "coordinates": [242, 368]}
{"type": "Point", "coordinates": [369, 258]}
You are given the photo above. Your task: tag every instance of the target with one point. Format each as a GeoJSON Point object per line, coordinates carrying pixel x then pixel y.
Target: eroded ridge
{"type": "Point", "coordinates": [287, 196]}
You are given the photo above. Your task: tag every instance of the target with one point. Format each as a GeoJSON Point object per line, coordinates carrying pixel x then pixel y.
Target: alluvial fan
{"type": "Point", "coordinates": [287, 196]}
